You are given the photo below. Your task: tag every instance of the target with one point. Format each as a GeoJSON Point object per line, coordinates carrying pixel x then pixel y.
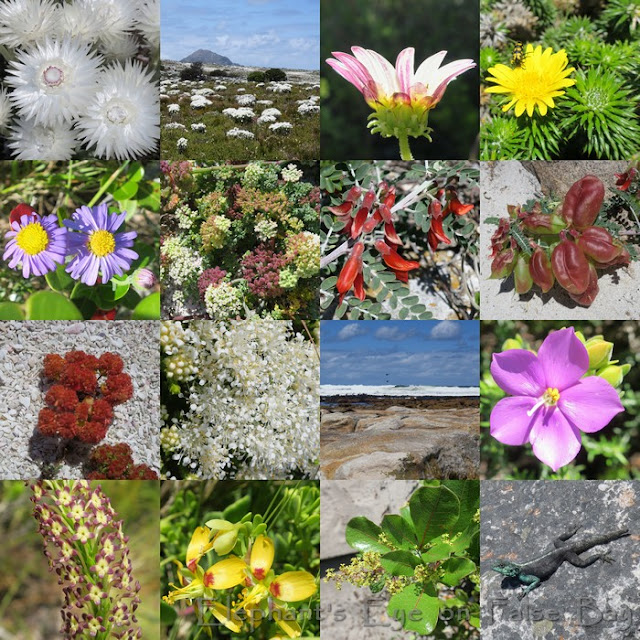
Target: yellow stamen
{"type": "Point", "coordinates": [551, 397]}
{"type": "Point", "coordinates": [32, 239]}
{"type": "Point", "coordinates": [102, 243]}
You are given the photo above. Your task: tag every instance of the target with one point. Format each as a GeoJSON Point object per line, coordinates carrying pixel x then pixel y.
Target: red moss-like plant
{"type": "Point", "coordinates": [80, 403]}
{"type": "Point", "coordinates": [115, 462]}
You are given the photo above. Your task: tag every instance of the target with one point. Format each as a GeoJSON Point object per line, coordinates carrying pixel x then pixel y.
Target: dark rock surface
{"type": "Point", "coordinates": [520, 521]}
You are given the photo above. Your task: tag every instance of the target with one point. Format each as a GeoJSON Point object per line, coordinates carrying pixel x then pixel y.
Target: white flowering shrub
{"type": "Point", "coordinates": [281, 128]}
{"type": "Point", "coordinates": [246, 100]}
{"type": "Point", "coordinates": [173, 108]}
{"type": "Point", "coordinates": [241, 400]}
{"type": "Point", "coordinates": [240, 133]}
{"type": "Point", "coordinates": [266, 119]}
{"type": "Point", "coordinates": [182, 144]}
{"type": "Point", "coordinates": [175, 125]}
{"type": "Point", "coordinates": [307, 108]}
{"type": "Point", "coordinates": [271, 112]}
{"type": "Point", "coordinates": [198, 126]}
{"type": "Point", "coordinates": [242, 114]}
{"type": "Point", "coordinates": [80, 76]}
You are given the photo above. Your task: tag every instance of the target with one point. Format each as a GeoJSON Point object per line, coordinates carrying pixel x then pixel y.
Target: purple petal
{"type": "Point", "coordinates": [590, 404]}
{"type": "Point", "coordinates": [564, 359]}
{"type": "Point", "coordinates": [518, 372]}
{"type": "Point", "coordinates": [556, 442]}
{"type": "Point", "coordinates": [509, 421]}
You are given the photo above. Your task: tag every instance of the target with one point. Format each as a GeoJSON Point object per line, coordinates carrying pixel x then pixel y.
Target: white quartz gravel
{"type": "Point", "coordinates": [23, 346]}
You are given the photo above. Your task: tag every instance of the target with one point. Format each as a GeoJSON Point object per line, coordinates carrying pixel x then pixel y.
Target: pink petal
{"type": "Point", "coordinates": [556, 442]}
{"type": "Point", "coordinates": [590, 404]}
{"type": "Point", "coordinates": [564, 359]}
{"type": "Point", "coordinates": [518, 372]}
{"type": "Point", "coordinates": [346, 73]}
{"type": "Point", "coordinates": [353, 67]}
{"type": "Point", "coordinates": [509, 421]}
{"type": "Point", "coordinates": [381, 70]}
{"type": "Point", "coordinates": [446, 74]}
{"type": "Point", "coordinates": [404, 69]}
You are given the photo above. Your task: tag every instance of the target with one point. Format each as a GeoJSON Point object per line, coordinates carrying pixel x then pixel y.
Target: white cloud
{"type": "Point", "coordinates": [394, 333]}
{"type": "Point", "coordinates": [446, 330]}
{"type": "Point", "coordinates": [351, 331]}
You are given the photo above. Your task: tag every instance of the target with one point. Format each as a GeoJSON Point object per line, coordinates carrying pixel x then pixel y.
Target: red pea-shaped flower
{"type": "Point", "coordinates": [570, 267]}
{"type": "Point", "coordinates": [583, 201]}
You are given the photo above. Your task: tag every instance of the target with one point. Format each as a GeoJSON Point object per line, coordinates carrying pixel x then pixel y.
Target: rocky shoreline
{"type": "Point", "coordinates": [399, 437]}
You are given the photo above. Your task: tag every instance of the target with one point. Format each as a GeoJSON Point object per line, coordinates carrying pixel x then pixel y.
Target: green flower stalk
{"type": "Point", "coordinates": [401, 99]}
{"type": "Point", "coordinates": [87, 549]}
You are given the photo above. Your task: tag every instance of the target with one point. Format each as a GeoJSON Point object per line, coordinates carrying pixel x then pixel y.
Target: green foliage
{"type": "Point", "coordinates": [256, 76]}
{"type": "Point", "coordinates": [192, 72]}
{"type": "Point", "coordinates": [275, 75]}
{"type": "Point", "coordinates": [621, 18]}
{"type": "Point", "coordinates": [602, 116]}
{"type": "Point", "coordinates": [421, 556]}
{"type": "Point", "coordinates": [501, 138]}
{"type": "Point", "coordinates": [605, 455]}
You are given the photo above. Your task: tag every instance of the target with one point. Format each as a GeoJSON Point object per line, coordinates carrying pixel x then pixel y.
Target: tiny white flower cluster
{"type": "Point", "coordinates": [76, 78]}
{"type": "Point", "coordinates": [184, 263]}
{"type": "Point", "coordinates": [220, 87]}
{"type": "Point", "coordinates": [222, 301]}
{"type": "Point", "coordinates": [182, 144]}
{"type": "Point", "coordinates": [266, 229]}
{"type": "Point", "coordinates": [198, 126]}
{"type": "Point", "coordinates": [174, 125]}
{"type": "Point", "coordinates": [243, 114]}
{"type": "Point", "coordinates": [173, 108]}
{"type": "Point", "coordinates": [200, 102]}
{"type": "Point", "coordinates": [291, 173]}
{"type": "Point", "coordinates": [251, 406]}
{"type": "Point", "coordinates": [307, 108]}
{"type": "Point", "coordinates": [268, 116]}
{"type": "Point", "coordinates": [240, 133]}
{"type": "Point", "coordinates": [281, 128]}
{"type": "Point", "coordinates": [246, 100]}
{"type": "Point", "coordinates": [186, 216]}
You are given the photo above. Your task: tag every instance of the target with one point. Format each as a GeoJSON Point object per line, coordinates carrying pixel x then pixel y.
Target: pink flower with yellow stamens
{"type": "Point", "coordinates": [401, 98]}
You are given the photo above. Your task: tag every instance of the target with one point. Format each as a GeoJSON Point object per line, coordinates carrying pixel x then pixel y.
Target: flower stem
{"type": "Point", "coordinates": [405, 150]}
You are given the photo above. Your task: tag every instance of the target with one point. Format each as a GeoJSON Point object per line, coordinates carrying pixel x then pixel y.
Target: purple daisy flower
{"type": "Point", "coordinates": [39, 244]}
{"type": "Point", "coordinates": [96, 248]}
{"type": "Point", "coordinates": [551, 402]}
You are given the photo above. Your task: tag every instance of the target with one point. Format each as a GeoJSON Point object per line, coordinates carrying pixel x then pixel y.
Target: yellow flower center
{"type": "Point", "coordinates": [102, 243]}
{"type": "Point", "coordinates": [551, 397]}
{"type": "Point", "coordinates": [32, 239]}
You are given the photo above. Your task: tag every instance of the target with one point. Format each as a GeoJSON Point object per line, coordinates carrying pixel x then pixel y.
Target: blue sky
{"type": "Point", "coordinates": [412, 352]}
{"type": "Point", "coordinates": [264, 33]}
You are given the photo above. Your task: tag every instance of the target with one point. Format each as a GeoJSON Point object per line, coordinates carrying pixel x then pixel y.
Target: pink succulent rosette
{"type": "Point", "coordinates": [550, 401]}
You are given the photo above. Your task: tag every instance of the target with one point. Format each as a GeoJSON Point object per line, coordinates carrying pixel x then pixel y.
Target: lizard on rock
{"type": "Point", "coordinates": [532, 573]}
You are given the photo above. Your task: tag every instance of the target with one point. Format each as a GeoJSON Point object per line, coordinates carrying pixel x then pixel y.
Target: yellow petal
{"type": "Point", "coordinates": [225, 574]}
{"type": "Point", "coordinates": [226, 616]}
{"type": "Point", "coordinates": [285, 619]}
{"type": "Point", "coordinates": [262, 554]}
{"type": "Point", "coordinates": [198, 546]}
{"type": "Point", "coordinates": [293, 586]}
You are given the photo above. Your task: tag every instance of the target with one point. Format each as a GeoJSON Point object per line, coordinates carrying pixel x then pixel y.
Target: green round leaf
{"type": "Point", "coordinates": [434, 510]}
{"type": "Point", "coordinates": [49, 305]}
{"type": "Point", "coordinates": [59, 280]}
{"type": "Point", "coordinates": [148, 308]}
{"type": "Point", "coordinates": [417, 611]}
{"type": "Point", "coordinates": [10, 311]}
{"type": "Point", "coordinates": [168, 614]}
{"type": "Point", "coordinates": [455, 569]}
{"type": "Point", "coordinates": [399, 563]}
{"type": "Point", "coordinates": [363, 535]}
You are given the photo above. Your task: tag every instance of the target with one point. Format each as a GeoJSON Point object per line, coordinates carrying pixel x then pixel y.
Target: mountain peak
{"type": "Point", "coordinates": [207, 57]}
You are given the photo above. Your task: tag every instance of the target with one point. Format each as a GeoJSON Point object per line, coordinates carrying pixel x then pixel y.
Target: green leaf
{"type": "Point", "coordinates": [341, 310]}
{"type": "Point", "coordinates": [439, 551]}
{"type": "Point", "coordinates": [168, 615]}
{"type": "Point", "coordinates": [434, 510]}
{"type": "Point", "coordinates": [59, 280]}
{"type": "Point", "coordinates": [363, 535]}
{"type": "Point", "coordinates": [399, 563]}
{"type": "Point", "coordinates": [149, 196]}
{"type": "Point", "coordinates": [354, 314]}
{"type": "Point", "coordinates": [455, 569]}
{"type": "Point", "coordinates": [329, 283]}
{"type": "Point", "coordinates": [398, 531]}
{"type": "Point", "coordinates": [235, 511]}
{"type": "Point", "coordinates": [148, 308]}
{"type": "Point", "coordinates": [49, 305]}
{"type": "Point", "coordinates": [468, 492]}
{"type": "Point", "coordinates": [10, 311]}
{"type": "Point", "coordinates": [417, 610]}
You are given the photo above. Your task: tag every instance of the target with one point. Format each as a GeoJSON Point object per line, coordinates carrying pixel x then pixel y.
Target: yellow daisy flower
{"type": "Point", "coordinates": [542, 77]}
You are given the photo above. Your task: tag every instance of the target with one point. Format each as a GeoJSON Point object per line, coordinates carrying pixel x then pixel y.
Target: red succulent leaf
{"type": "Point", "coordinates": [522, 276]}
{"type": "Point", "coordinates": [503, 263]}
{"type": "Point", "coordinates": [540, 269]}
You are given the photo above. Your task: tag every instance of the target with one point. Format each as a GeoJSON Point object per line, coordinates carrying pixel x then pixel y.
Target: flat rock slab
{"type": "Point", "coordinates": [520, 521]}
{"type": "Point", "coordinates": [432, 439]}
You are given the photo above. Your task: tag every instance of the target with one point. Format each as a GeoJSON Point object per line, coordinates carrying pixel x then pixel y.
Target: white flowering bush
{"type": "Point", "coordinates": [181, 144]}
{"type": "Point", "coordinates": [240, 133]}
{"type": "Point", "coordinates": [198, 126]}
{"type": "Point", "coordinates": [173, 108]}
{"type": "Point", "coordinates": [281, 128]}
{"type": "Point", "coordinates": [242, 114]}
{"type": "Point", "coordinates": [241, 400]}
{"type": "Point", "coordinates": [80, 78]}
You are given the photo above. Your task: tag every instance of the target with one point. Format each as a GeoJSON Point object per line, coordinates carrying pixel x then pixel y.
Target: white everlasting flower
{"type": "Point", "coordinates": [239, 133]}
{"type": "Point", "coordinates": [120, 48]}
{"type": "Point", "coordinates": [31, 141]}
{"type": "Point", "coordinates": [242, 114]}
{"type": "Point", "coordinates": [182, 144]}
{"type": "Point", "coordinates": [246, 100]}
{"type": "Point", "coordinates": [173, 108]}
{"type": "Point", "coordinates": [5, 109]}
{"type": "Point", "coordinates": [78, 21]}
{"type": "Point", "coordinates": [282, 128]}
{"type": "Point", "coordinates": [25, 22]}
{"type": "Point", "coordinates": [280, 87]}
{"type": "Point", "coordinates": [206, 91]}
{"type": "Point", "coordinates": [198, 126]}
{"type": "Point", "coordinates": [200, 102]}
{"type": "Point", "coordinates": [148, 19]}
{"type": "Point", "coordinates": [111, 17]}
{"type": "Point", "coordinates": [54, 81]}
{"type": "Point", "coordinates": [272, 112]}
{"type": "Point", "coordinates": [174, 125]}
{"type": "Point", "coordinates": [220, 87]}
{"type": "Point", "coordinates": [266, 119]}
{"type": "Point", "coordinates": [266, 103]}
{"type": "Point", "coordinates": [122, 120]}
{"type": "Point", "coordinates": [307, 108]}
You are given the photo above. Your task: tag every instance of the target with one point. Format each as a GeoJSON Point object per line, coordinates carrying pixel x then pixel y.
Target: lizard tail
{"type": "Point", "coordinates": [602, 538]}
